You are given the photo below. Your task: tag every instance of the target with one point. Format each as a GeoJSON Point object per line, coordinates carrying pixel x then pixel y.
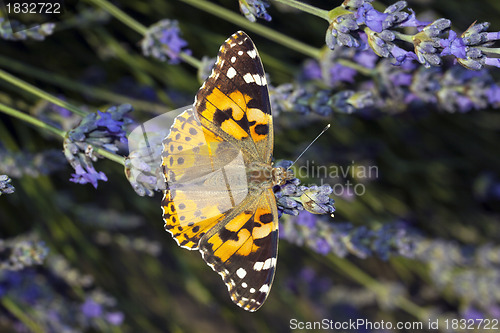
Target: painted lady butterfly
{"type": "Point", "coordinates": [217, 166]}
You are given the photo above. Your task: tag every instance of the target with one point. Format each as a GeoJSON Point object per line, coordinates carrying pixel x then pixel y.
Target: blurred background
{"type": "Point", "coordinates": [419, 244]}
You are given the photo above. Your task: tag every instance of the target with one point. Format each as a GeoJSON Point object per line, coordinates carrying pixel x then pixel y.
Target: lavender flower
{"type": "Point", "coordinates": [430, 43]}
{"type": "Point", "coordinates": [162, 41]}
{"type": "Point", "coordinates": [91, 309]}
{"type": "Point", "coordinates": [289, 97]}
{"type": "Point", "coordinates": [143, 164]}
{"type": "Point", "coordinates": [85, 173]}
{"type": "Point", "coordinates": [115, 318]}
{"type": "Point", "coordinates": [476, 41]}
{"type": "Point", "coordinates": [427, 42]}
{"type": "Point", "coordinates": [253, 9]}
{"type": "Point", "coordinates": [132, 244]}
{"type": "Point", "coordinates": [102, 218]}
{"type": "Point", "coordinates": [41, 293]}
{"type": "Point", "coordinates": [453, 45]}
{"type": "Point", "coordinates": [316, 199]}
{"type": "Point", "coordinates": [102, 129]}
{"type": "Point", "coordinates": [370, 17]}
{"type": "Point", "coordinates": [473, 313]}
{"type": "Point", "coordinates": [342, 25]}
{"type": "Point", "coordinates": [20, 252]}
{"type": "Point", "coordinates": [22, 32]}
{"type": "Point", "coordinates": [18, 164]}
{"type": "Point", "coordinates": [5, 186]}
{"type": "Point", "coordinates": [293, 198]}
{"type": "Point", "coordinates": [343, 238]}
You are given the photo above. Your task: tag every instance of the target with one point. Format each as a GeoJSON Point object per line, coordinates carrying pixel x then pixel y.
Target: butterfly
{"type": "Point", "coordinates": [217, 164]}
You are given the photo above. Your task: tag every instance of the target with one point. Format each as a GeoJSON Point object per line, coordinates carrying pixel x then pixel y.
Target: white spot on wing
{"type": "Point", "coordinates": [268, 263]}
{"type": "Point", "coordinates": [231, 72]}
{"type": "Point", "coordinates": [248, 78]}
{"type": "Point", "coordinates": [258, 265]}
{"type": "Point", "coordinates": [233, 59]}
{"type": "Point", "coordinates": [264, 289]}
{"type": "Point", "coordinates": [240, 52]}
{"type": "Point", "coordinates": [244, 285]}
{"type": "Point", "coordinates": [257, 79]}
{"type": "Point", "coordinates": [252, 290]}
{"type": "Point", "coordinates": [241, 273]}
{"type": "Point", "coordinates": [252, 53]}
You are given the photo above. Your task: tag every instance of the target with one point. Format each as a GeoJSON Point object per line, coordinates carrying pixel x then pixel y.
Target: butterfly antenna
{"type": "Point", "coordinates": [313, 141]}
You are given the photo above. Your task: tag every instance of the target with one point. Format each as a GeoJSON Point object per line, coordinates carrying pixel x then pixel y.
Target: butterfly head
{"type": "Point", "coordinates": [281, 175]}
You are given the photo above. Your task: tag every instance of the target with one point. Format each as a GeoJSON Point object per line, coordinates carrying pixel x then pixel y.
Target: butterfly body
{"type": "Point", "coordinates": [217, 166]}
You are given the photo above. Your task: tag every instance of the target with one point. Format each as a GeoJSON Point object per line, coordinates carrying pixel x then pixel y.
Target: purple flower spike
{"type": "Point", "coordinates": [171, 38]}
{"type": "Point", "coordinates": [253, 9]}
{"type": "Point", "coordinates": [492, 62]}
{"type": "Point", "coordinates": [453, 45]}
{"type": "Point", "coordinates": [473, 313]}
{"type": "Point", "coordinates": [490, 36]}
{"type": "Point", "coordinates": [322, 246]}
{"type": "Point", "coordinates": [87, 176]}
{"type": "Point", "coordinates": [106, 120]}
{"type": "Point", "coordinates": [342, 73]}
{"type": "Point", "coordinates": [115, 318]}
{"type": "Point", "coordinates": [312, 70]}
{"type": "Point", "coordinates": [91, 309]}
{"type": "Point", "coordinates": [162, 41]}
{"type": "Point", "coordinates": [412, 21]}
{"type": "Point", "coordinates": [494, 94]}
{"type": "Point", "coordinates": [369, 16]}
{"type": "Point", "coordinates": [307, 219]}
{"type": "Point", "coordinates": [401, 55]}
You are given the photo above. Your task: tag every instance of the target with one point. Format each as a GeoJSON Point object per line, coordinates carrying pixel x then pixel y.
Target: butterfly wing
{"type": "Point", "coordinates": [205, 178]}
{"type": "Point", "coordinates": [235, 98]}
{"type": "Point", "coordinates": [243, 249]}
{"type": "Point", "coordinates": [208, 204]}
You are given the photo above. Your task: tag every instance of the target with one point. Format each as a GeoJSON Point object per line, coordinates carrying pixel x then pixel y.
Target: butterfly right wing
{"type": "Point", "coordinates": [243, 249]}
{"type": "Point", "coordinates": [234, 101]}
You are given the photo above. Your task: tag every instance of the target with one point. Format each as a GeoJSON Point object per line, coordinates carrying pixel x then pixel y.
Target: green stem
{"type": "Point", "coordinates": [237, 19]}
{"type": "Point", "coordinates": [39, 93]}
{"type": "Point", "coordinates": [109, 155]}
{"type": "Point", "coordinates": [20, 314]}
{"type": "Point", "coordinates": [62, 82]}
{"type": "Point", "coordinates": [404, 37]}
{"type": "Point", "coordinates": [29, 119]}
{"type": "Point", "coordinates": [306, 8]}
{"type": "Point", "coordinates": [363, 70]}
{"type": "Point", "coordinates": [138, 27]}
{"type": "Point", "coordinates": [493, 50]}
{"type": "Point", "coordinates": [36, 122]}
{"type": "Point", "coordinates": [120, 15]}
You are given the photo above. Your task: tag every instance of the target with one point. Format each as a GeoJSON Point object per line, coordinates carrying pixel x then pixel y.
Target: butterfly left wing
{"type": "Point", "coordinates": [205, 178]}
{"type": "Point", "coordinates": [243, 249]}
